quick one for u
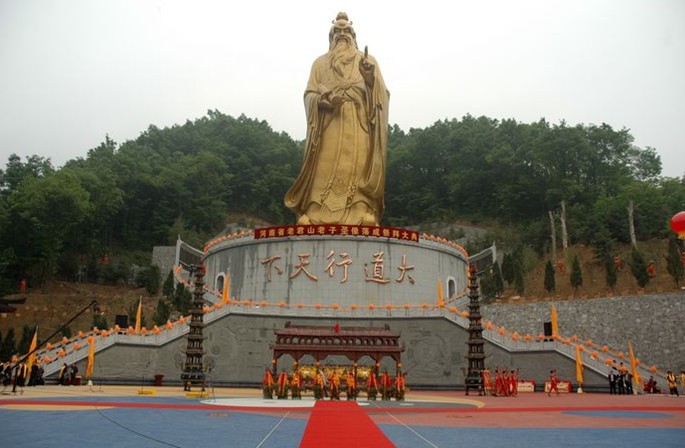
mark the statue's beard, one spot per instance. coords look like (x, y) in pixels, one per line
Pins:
(342, 55)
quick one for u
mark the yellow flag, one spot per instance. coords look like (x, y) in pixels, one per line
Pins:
(32, 351)
(555, 325)
(441, 300)
(579, 366)
(139, 315)
(91, 357)
(225, 297)
(637, 379)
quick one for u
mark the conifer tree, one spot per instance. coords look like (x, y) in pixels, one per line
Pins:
(638, 267)
(162, 313)
(550, 283)
(611, 274)
(169, 286)
(576, 274)
(508, 269)
(8, 347)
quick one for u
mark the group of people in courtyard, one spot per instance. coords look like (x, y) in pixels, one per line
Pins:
(505, 383)
(334, 384)
(20, 375)
(620, 380)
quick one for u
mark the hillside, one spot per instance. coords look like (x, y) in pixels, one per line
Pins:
(593, 272)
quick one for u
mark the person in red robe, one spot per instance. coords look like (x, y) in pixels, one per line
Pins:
(514, 383)
(487, 382)
(386, 386)
(400, 386)
(372, 387)
(351, 385)
(268, 385)
(335, 386)
(282, 386)
(506, 383)
(553, 383)
(295, 385)
(498, 382)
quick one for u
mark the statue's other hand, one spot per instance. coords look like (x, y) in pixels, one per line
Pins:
(337, 101)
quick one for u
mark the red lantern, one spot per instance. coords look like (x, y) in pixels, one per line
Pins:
(678, 224)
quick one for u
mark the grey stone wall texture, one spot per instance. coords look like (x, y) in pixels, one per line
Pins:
(652, 323)
(238, 350)
(410, 271)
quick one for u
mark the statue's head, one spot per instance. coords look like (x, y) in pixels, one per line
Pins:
(341, 29)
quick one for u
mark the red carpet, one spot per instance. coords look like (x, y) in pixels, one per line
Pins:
(342, 424)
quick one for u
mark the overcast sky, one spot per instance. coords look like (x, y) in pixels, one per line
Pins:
(72, 71)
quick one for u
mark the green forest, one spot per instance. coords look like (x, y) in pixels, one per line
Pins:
(122, 199)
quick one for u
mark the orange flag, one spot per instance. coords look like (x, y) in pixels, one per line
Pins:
(32, 351)
(139, 315)
(441, 300)
(555, 325)
(579, 367)
(225, 296)
(91, 357)
(637, 379)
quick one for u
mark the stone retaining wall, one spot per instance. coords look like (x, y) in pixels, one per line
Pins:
(654, 324)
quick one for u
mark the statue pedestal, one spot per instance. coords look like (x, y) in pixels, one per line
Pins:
(336, 265)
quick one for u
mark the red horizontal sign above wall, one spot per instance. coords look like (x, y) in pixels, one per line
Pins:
(337, 230)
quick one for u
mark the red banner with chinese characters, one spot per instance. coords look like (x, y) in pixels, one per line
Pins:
(337, 230)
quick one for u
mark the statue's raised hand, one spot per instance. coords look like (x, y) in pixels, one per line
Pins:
(366, 68)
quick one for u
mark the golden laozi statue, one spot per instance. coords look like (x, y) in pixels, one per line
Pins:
(342, 179)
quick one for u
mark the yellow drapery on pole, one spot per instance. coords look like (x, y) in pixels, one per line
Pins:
(91, 357)
(139, 315)
(32, 350)
(637, 379)
(555, 325)
(441, 300)
(225, 296)
(579, 368)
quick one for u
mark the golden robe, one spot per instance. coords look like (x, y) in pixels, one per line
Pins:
(342, 179)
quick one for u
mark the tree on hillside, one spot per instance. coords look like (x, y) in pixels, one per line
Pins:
(182, 299)
(674, 262)
(149, 278)
(576, 274)
(169, 285)
(9, 346)
(162, 313)
(550, 285)
(611, 276)
(638, 267)
(100, 321)
(26, 337)
(519, 285)
(508, 269)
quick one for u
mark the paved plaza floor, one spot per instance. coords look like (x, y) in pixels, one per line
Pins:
(126, 416)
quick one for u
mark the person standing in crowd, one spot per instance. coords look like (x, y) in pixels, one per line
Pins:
(671, 382)
(621, 380)
(553, 383)
(682, 380)
(514, 383)
(629, 383)
(62, 375)
(612, 381)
